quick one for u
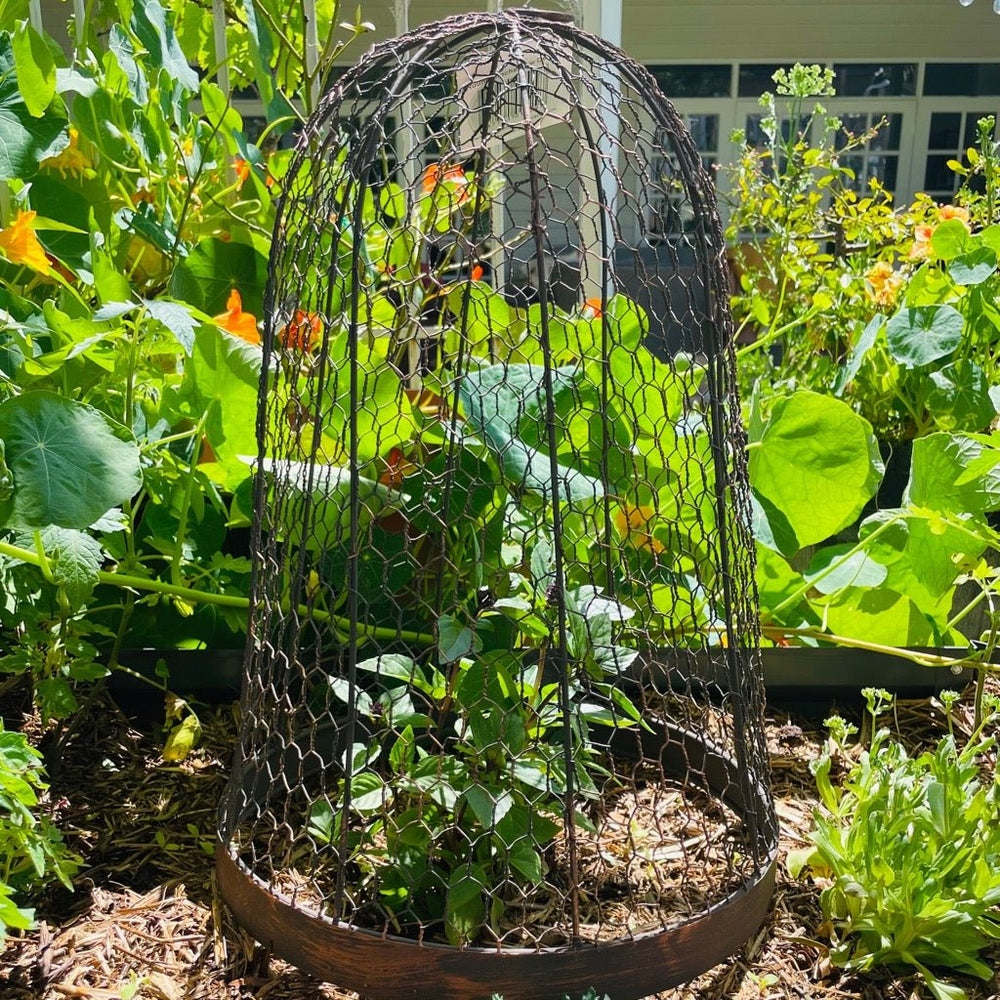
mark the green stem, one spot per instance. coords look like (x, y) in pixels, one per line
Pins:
(800, 592)
(924, 659)
(182, 521)
(113, 579)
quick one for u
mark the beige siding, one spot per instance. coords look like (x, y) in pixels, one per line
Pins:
(779, 30)
(803, 30)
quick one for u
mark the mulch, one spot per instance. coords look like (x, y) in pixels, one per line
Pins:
(145, 922)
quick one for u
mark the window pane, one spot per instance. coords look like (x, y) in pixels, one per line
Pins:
(878, 79)
(937, 176)
(888, 134)
(946, 127)
(694, 81)
(705, 130)
(972, 128)
(755, 80)
(962, 79)
(757, 137)
(885, 168)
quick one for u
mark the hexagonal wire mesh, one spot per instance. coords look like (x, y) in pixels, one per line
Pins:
(502, 686)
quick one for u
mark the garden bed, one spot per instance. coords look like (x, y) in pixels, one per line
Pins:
(145, 922)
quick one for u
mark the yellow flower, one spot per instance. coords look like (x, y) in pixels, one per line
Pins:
(235, 320)
(636, 525)
(20, 244)
(72, 160)
(883, 283)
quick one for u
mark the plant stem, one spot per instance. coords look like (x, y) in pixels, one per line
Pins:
(924, 659)
(800, 592)
(115, 579)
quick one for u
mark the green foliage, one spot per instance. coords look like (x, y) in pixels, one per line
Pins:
(32, 853)
(910, 851)
(131, 222)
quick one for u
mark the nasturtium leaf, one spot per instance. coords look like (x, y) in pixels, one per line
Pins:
(973, 268)
(919, 335)
(213, 269)
(221, 381)
(25, 140)
(960, 399)
(920, 554)
(817, 463)
(878, 615)
(75, 559)
(954, 473)
(776, 583)
(950, 239)
(770, 526)
(67, 202)
(70, 463)
(35, 69)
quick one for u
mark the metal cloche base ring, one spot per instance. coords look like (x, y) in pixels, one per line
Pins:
(379, 965)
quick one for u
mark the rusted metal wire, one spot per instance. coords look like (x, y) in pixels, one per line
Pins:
(502, 690)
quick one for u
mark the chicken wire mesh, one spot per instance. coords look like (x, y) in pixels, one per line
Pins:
(502, 687)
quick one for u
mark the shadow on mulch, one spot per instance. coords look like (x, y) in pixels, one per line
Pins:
(146, 923)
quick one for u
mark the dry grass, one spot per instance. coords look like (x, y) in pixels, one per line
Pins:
(145, 921)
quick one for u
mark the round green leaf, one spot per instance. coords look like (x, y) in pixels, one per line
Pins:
(213, 269)
(960, 399)
(973, 268)
(919, 335)
(817, 463)
(70, 463)
(950, 239)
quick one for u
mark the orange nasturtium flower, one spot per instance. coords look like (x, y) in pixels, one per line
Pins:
(437, 174)
(946, 212)
(236, 321)
(921, 248)
(242, 171)
(397, 467)
(592, 308)
(883, 283)
(302, 333)
(20, 244)
(477, 272)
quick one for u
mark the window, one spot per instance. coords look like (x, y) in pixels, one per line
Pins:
(949, 134)
(875, 79)
(879, 158)
(668, 210)
(715, 80)
(758, 78)
(962, 80)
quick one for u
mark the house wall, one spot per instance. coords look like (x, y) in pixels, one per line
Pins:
(807, 30)
(782, 31)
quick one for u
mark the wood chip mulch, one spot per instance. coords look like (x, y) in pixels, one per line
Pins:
(144, 921)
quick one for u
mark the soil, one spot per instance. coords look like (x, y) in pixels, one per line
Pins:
(145, 923)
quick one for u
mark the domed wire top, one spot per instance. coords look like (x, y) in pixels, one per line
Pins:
(502, 687)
